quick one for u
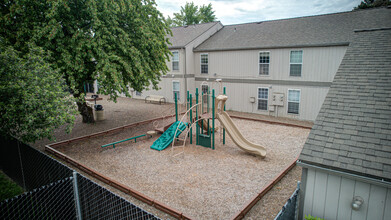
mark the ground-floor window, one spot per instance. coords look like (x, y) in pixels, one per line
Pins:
(138, 93)
(204, 90)
(263, 97)
(176, 87)
(293, 101)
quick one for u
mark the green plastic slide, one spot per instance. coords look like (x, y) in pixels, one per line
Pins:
(166, 139)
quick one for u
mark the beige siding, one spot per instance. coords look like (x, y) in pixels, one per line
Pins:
(167, 92)
(239, 99)
(328, 196)
(190, 59)
(319, 64)
(181, 63)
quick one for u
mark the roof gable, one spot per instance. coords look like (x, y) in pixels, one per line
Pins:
(183, 35)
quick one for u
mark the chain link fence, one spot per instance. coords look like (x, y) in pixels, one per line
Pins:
(55, 191)
(289, 210)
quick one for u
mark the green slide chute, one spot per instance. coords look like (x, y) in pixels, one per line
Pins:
(168, 136)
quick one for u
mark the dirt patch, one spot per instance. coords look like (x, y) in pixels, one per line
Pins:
(202, 183)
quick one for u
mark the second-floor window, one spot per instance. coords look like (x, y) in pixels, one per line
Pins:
(264, 61)
(296, 62)
(175, 60)
(204, 63)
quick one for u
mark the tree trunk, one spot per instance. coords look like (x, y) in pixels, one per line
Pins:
(86, 112)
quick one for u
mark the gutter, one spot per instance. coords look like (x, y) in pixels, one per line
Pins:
(380, 182)
(274, 47)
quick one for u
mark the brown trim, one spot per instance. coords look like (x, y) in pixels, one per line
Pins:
(271, 122)
(138, 195)
(338, 44)
(246, 208)
(267, 81)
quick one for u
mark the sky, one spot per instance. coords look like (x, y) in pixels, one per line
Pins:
(245, 11)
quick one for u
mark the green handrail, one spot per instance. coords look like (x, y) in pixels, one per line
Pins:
(135, 140)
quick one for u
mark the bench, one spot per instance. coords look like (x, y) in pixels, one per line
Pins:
(155, 98)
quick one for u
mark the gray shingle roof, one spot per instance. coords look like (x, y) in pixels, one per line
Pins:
(353, 129)
(305, 31)
(183, 35)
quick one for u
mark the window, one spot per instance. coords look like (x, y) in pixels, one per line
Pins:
(296, 62)
(138, 93)
(263, 97)
(175, 89)
(264, 61)
(204, 63)
(204, 90)
(175, 60)
(293, 101)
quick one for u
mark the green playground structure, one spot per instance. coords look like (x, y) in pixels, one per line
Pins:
(132, 138)
(168, 136)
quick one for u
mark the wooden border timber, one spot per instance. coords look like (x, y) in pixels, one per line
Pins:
(138, 195)
(270, 122)
(246, 208)
(158, 205)
(110, 131)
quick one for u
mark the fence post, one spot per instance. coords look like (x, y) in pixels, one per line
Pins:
(297, 201)
(77, 200)
(21, 165)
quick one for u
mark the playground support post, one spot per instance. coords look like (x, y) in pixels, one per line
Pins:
(176, 107)
(191, 118)
(224, 128)
(197, 127)
(213, 119)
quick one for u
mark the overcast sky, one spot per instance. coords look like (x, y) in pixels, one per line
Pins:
(244, 11)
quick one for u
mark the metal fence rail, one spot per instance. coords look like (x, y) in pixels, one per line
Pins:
(53, 201)
(57, 192)
(29, 167)
(98, 203)
(289, 210)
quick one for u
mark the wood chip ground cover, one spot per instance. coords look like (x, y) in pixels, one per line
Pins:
(202, 183)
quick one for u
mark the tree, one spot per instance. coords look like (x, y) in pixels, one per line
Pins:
(207, 14)
(190, 14)
(34, 98)
(372, 4)
(122, 44)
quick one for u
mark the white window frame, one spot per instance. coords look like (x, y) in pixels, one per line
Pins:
(173, 91)
(172, 62)
(287, 102)
(290, 63)
(259, 64)
(207, 64)
(267, 104)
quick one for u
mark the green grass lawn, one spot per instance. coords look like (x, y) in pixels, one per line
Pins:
(8, 188)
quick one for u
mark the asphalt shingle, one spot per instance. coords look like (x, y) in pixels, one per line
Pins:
(183, 35)
(362, 87)
(304, 31)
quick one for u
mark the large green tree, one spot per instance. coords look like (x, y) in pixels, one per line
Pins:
(372, 4)
(34, 98)
(122, 44)
(191, 14)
